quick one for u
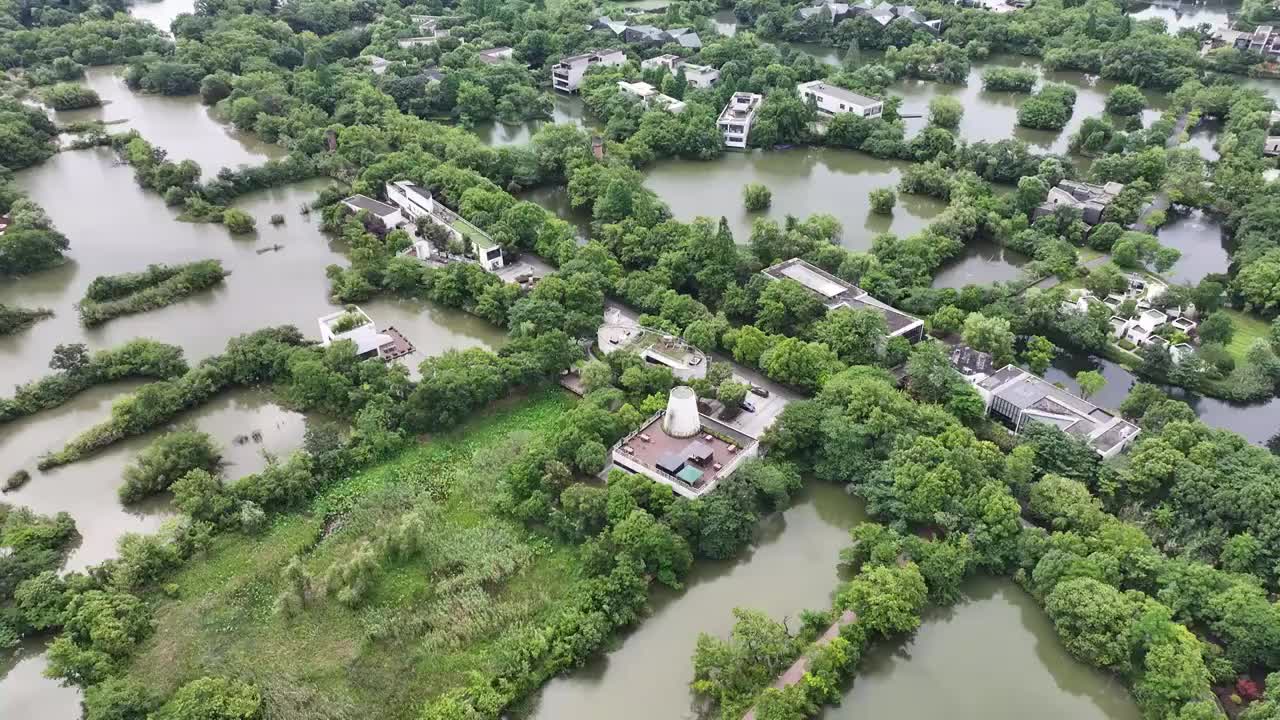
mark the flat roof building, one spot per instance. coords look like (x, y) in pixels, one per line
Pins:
(837, 293)
(683, 449)
(737, 117)
(619, 332)
(834, 100)
(355, 325)
(417, 202)
(566, 75)
(496, 55)
(389, 215)
(1016, 398)
(650, 97)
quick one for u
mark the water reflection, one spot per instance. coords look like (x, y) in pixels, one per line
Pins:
(984, 261)
(1178, 15)
(803, 180)
(565, 109)
(1256, 422)
(26, 693)
(725, 22)
(181, 125)
(1203, 242)
(993, 656)
(792, 567)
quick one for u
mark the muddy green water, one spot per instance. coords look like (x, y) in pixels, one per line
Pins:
(803, 180)
(994, 656)
(1177, 15)
(568, 109)
(180, 125)
(161, 13)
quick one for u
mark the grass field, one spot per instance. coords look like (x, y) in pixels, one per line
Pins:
(1248, 329)
(424, 623)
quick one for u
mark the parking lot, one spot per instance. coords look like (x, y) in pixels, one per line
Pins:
(767, 408)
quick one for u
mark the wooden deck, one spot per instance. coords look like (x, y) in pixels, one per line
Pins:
(397, 348)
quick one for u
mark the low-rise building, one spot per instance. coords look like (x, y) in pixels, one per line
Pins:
(389, 215)
(1264, 40)
(1090, 199)
(566, 75)
(737, 117)
(650, 97)
(836, 293)
(416, 202)
(1017, 398)
(619, 332)
(684, 449)
(355, 325)
(377, 64)
(698, 76)
(496, 55)
(834, 100)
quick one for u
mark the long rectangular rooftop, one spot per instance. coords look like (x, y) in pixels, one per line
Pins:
(836, 292)
(840, 93)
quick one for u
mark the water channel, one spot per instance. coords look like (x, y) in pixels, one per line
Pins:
(186, 129)
(1178, 15)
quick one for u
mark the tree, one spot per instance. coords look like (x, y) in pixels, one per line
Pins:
(1039, 353)
(1094, 621)
(730, 672)
(1216, 328)
(731, 393)
(70, 358)
(882, 200)
(119, 699)
(856, 336)
(1031, 192)
(238, 221)
(170, 457)
(201, 495)
(1090, 382)
(213, 698)
(756, 197)
(886, 599)
(990, 335)
(70, 96)
(806, 365)
(945, 112)
(1125, 100)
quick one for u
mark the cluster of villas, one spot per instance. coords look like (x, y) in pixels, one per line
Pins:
(1091, 199)
(408, 203)
(1264, 40)
(647, 35)
(883, 13)
(1149, 325)
(737, 117)
(429, 31)
(1016, 398)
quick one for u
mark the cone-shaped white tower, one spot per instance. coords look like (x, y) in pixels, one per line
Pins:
(681, 419)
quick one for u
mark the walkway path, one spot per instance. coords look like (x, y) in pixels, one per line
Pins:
(797, 670)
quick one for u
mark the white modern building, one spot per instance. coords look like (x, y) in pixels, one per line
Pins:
(698, 76)
(737, 117)
(355, 325)
(684, 449)
(389, 215)
(566, 75)
(650, 96)
(1016, 398)
(656, 347)
(834, 100)
(417, 202)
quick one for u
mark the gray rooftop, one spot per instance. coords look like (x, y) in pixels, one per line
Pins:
(836, 292)
(836, 91)
(368, 203)
(1045, 402)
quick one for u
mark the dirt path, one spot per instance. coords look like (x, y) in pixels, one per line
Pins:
(793, 674)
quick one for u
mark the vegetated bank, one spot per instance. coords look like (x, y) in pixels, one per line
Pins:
(110, 296)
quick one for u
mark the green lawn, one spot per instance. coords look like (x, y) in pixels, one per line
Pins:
(424, 623)
(1248, 328)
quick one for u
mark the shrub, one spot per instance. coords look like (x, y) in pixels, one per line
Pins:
(110, 296)
(1049, 109)
(70, 96)
(166, 460)
(238, 221)
(1125, 100)
(277, 219)
(756, 197)
(16, 480)
(1009, 80)
(883, 200)
(213, 698)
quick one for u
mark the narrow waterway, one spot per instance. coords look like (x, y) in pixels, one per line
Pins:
(26, 694)
(181, 125)
(992, 656)
(1259, 423)
(1178, 15)
(791, 568)
(277, 273)
(804, 181)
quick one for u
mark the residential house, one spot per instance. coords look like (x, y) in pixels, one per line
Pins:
(417, 202)
(354, 325)
(492, 56)
(377, 64)
(837, 293)
(566, 75)
(698, 76)
(646, 35)
(1016, 398)
(1089, 198)
(737, 117)
(1264, 40)
(834, 100)
(1271, 146)
(650, 97)
(683, 449)
(389, 215)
